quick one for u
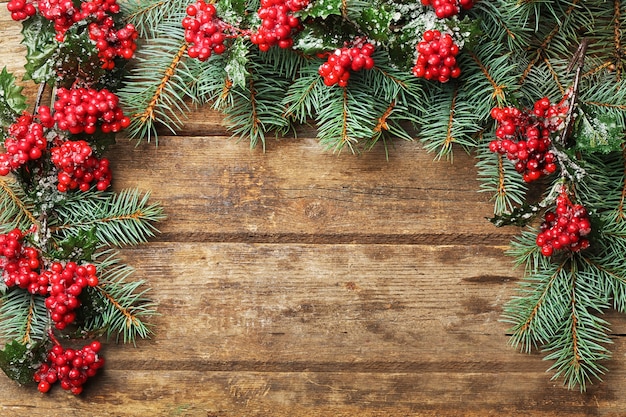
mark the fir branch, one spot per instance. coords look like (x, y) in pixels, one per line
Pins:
(256, 109)
(124, 302)
(499, 178)
(541, 52)
(14, 211)
(345, 117)
(148, 15)
(578, 348)
(450, 118)
(118, 219)
(149, 112)
(620, 207)
(209, 82)
(536, 313)
(504, 24)
(155, 92)
(305, 95)
(23, 316)
(498, 89)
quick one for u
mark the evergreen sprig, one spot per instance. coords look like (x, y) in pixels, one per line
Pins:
(117, 219)
(122, 304)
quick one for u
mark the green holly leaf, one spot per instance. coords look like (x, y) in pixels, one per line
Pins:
(41, 45)
(77, 247)
(321, 38)
(77, 54)
(324, 8)
(375, 23)
(598, 134)
(12, 101)
(236, 65)
(232, 11)
(520, 216)
(20, 362)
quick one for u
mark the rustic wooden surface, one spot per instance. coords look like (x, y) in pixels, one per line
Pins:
(299, 283)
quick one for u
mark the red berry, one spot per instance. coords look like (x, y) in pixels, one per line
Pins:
(436, 57)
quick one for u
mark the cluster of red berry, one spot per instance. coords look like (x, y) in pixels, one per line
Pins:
(278, 23)
(66, 283)
(78, 168)
(111, 43)
(99, 9)
(436, 57)
(25, 142)
(80, 110)
(72, 368)
(61, 12)
(337, 69)
(20, 264)
(204, 31)
(21, 9)
(61, 285)
(564, 228)
(448, 8)
(524, 137)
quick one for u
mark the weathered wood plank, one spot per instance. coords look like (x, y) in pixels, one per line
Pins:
(273, 329)
(252, 394)
(219, 190)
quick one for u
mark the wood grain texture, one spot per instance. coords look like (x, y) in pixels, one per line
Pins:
(294, 282)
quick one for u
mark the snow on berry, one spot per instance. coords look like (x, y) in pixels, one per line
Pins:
(70, 367)
(436, 57)
(20, 264)
(564, 228)
(204, 31)
(340, 63)
(278, 23)
(25, 142)
(523, 136)
(112, 43)
(78, 168)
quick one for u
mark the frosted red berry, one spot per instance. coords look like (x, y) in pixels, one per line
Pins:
(70, 367)
(524, 137)
(565, 228)
(25, 142)
(78, 168)
(343, 61)
(113, 43)
(436, 57)
(278, 23)
(20, 264)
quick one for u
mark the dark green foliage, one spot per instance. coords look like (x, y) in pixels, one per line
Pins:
(38, 36)
(20, 362)
(12, 101)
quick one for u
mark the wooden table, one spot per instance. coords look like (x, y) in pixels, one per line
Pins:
(294, 282)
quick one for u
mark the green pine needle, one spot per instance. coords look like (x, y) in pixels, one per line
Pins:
(123, 303)
(125, 218)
